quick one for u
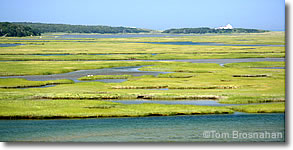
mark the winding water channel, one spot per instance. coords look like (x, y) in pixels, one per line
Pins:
(132, 70)
(80, 73)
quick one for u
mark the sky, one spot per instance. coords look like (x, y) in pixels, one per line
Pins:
(150, 14)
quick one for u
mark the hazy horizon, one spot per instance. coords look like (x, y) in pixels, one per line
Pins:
(151, 14)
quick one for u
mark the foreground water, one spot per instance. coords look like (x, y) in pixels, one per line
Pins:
(224, 128)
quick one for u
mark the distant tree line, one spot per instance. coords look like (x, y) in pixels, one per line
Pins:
(43, 28)
(210, 30)
(27, 29)
(9, 29)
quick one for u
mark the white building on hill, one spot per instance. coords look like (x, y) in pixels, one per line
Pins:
(228, 26)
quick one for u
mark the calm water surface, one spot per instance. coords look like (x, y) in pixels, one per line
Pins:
(94, 54)
(9, 45)
(125, 35)
(208, 43)
(144, 129)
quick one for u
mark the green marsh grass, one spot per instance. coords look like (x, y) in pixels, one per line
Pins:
(23, 83)
(80, 48)
(56, 67)
(42, 109)
(261, 108)
(96, 77)
(176, 75)
(252, 99)
(256, 64)
(207, 81)
(188, 80)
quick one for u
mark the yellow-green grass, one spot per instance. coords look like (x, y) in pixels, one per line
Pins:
(22, 83)
(128, 46)
(52, 109)
(190, 81)
(270, 38)
(263, 64)
(183, 67)
(55, 67)
(74, 57)
(96, 77)
(208, 81)
(42, 109)
(260, 108)
(252, 99)
(176, 75)
(166, 56)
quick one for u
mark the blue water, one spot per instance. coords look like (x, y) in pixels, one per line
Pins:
(132, 70)
(134, 35)
(145, 129)
(208, 43)
(123, 35)
(9, 45)
(96, 54)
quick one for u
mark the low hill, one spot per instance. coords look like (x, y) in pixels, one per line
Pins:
(210, 30)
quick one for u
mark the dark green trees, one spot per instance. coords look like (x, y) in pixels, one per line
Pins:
(42, 27)
(9, 29)
(27, 29)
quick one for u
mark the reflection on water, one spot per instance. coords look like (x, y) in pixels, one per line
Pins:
(144, 129)
(208, 43)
